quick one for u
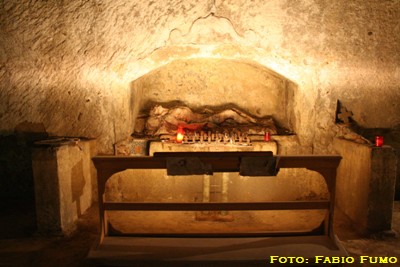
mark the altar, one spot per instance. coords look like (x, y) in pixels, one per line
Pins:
(215, 248)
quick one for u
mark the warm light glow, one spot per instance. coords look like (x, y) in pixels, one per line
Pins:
(179, 138)
(379, 140)
(180, 134)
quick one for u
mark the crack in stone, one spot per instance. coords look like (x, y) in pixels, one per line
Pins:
(210, 14)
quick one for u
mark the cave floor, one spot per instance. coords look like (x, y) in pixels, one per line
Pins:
(20, 245)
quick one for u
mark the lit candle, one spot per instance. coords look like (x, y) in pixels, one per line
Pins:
(179, 138)
(379, 140)
(180, 134)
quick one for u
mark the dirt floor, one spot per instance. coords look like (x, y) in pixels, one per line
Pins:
(21, 246)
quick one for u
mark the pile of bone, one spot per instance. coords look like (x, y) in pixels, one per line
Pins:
(163, 121)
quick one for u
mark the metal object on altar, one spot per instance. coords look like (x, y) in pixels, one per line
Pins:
(259, 166)
(187, 166)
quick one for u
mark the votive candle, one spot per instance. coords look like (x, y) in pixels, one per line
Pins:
(379, 140)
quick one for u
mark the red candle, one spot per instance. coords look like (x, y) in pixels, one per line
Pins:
(267, 136)
(379, 140)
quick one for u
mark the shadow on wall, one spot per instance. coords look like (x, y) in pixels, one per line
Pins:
(16, 160)
(77, 185)
(359, 134)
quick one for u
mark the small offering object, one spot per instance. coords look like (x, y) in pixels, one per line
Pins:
(379, 140)
(267, 136)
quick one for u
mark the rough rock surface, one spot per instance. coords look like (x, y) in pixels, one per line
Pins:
(68, 64)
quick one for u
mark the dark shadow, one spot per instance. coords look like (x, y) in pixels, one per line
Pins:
(17, 200)
(77, 185)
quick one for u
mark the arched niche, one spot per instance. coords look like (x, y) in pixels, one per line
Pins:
(212, 82)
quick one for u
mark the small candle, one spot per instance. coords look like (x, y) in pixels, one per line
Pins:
(180, 134)
(379, 140)
(179, 138)
(267, 136)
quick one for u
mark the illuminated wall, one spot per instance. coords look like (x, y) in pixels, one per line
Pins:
(67, 66)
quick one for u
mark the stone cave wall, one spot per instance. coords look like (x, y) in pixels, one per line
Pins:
(67, 66)
(217, 84)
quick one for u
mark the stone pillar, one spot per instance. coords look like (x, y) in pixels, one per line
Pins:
(366, 185)
(64, 177)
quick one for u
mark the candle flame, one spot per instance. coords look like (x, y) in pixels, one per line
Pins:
(179, 138)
